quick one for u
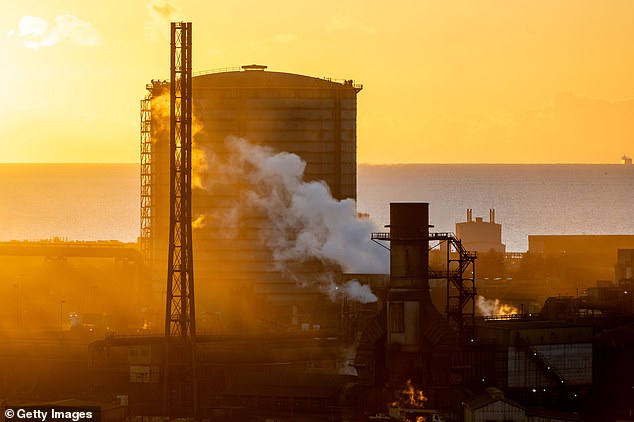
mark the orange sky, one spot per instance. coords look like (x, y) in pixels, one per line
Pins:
(444, 81)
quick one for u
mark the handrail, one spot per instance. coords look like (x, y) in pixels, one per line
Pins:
(380, 236)
(539, 357)
(217, 70)
(343, 82)
(348, 82)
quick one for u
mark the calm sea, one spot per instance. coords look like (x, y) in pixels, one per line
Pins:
(101, 201)
(528, 199)
(73, 201)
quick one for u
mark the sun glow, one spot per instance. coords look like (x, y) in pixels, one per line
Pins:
(73, 75)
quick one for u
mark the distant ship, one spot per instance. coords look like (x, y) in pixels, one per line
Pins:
(626, 160)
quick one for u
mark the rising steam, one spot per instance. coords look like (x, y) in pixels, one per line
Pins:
(304, 221)
(352, 290)
(493, 307)
(161, 13)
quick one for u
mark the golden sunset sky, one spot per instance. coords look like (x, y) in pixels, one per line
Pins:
(460, 81)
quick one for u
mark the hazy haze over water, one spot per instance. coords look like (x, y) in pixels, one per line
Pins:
(74, 201)
(528, 199)
(101, 201)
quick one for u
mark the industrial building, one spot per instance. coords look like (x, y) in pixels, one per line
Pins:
(603, 246)
(311, 117)
(492, 405)
(579, 259)
(481, 236)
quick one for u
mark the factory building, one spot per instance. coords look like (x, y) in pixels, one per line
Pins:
(580, 259)
(600, 245)
(481, 236)
(311, 117)
(539, 354)
(493, 406)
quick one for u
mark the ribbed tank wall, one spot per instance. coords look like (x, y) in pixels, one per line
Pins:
(313, 118)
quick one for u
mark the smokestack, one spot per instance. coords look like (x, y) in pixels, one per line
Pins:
(419, 338)
(469, 215)
(492, 215)
(409, 252)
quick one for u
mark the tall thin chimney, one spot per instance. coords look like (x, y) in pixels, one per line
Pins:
(492, 215)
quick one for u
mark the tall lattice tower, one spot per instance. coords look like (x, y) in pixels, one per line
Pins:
(180, 386)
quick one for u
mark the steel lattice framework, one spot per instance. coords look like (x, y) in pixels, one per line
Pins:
(461, 288)
(460, 277)
(146, 179)
(180, 317)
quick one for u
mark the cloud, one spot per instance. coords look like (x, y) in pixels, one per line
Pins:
(161, 13)
(35, 32)
(342, 22)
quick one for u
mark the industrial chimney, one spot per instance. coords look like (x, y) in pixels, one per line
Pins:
(419, 338)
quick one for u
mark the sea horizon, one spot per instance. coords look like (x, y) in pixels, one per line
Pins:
(100, 201)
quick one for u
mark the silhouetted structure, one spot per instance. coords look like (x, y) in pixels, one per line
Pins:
(419, 340)
(179, 376)
(311, 117)
(481, 236)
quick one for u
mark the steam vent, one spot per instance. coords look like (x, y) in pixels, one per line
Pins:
(236, 113)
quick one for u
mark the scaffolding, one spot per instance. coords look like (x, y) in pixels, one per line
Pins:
(459, 274)
(461, 290)
(145, 238)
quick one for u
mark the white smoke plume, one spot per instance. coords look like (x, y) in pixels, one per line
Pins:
(35, 32)
(493, 307)
(161, 13)
(304, 221)
(352, 290)
(348, 355)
